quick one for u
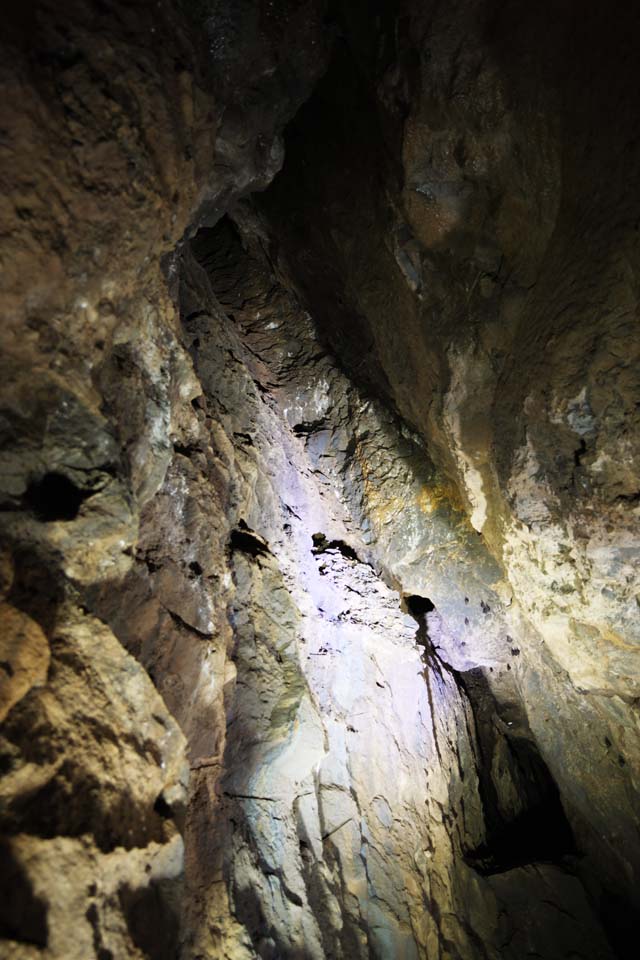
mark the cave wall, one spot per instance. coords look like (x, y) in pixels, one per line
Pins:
(319, 518)
(482, 283)
(121, 125)
(401, 810)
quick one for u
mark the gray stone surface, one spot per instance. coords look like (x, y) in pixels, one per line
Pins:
(319, 509)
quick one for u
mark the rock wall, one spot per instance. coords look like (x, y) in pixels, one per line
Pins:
(481, 283)
(121, 125)
(318, 508)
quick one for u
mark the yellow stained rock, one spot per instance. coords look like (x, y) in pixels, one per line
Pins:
(24, 656)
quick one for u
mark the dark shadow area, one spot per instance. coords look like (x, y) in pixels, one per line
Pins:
(267, 943)
(55, 497)
(306, 428)
(23, 915)
(73, 803)
(151, 919)
(340, 129)
(530, 828)
(37, 587)
(417, 606)
(219, 252)
(322, 545)
(249, 542)
(538, 830)
(621, 924)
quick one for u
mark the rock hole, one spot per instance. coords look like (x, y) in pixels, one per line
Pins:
(185, 450)
(418, 606)
(307, 427)
(248, 542)
(322, 545)
(55, 497)
(580, 452)
(162, 808)
(6, 666)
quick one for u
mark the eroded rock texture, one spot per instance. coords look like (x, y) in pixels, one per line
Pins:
(319, 487)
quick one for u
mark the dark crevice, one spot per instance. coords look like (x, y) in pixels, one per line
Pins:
(577, 475)
(94, 919)
(55, 497)
(187, 626)
(580, 452)
(245, 439)
(162, 808)
(186, 450)
(246, 541)
(418, 606)
(307, 427)
(628, 497)
(23, 915)
(322, 545)
(534, 830)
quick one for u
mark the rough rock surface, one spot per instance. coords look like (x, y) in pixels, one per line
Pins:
(481, 282)
(122, 124)
(319, 562)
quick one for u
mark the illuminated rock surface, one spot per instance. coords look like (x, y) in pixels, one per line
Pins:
(319, 570)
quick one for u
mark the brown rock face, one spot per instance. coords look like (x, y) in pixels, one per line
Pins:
(25, 657)
(319, 481)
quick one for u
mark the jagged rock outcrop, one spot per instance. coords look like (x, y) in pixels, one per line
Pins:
(481, 282)
(319, 493)
(121, 125)
(490, 805)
